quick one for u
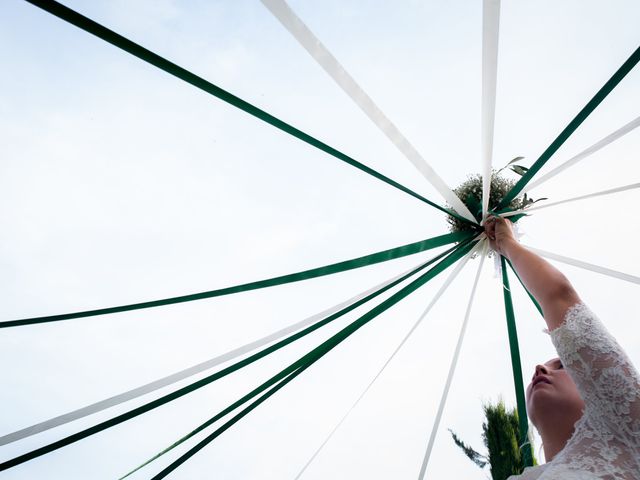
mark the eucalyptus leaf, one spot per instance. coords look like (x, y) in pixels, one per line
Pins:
(517, 159)
(519, 169)
(538, 200)
(512, 161)
(531, 201)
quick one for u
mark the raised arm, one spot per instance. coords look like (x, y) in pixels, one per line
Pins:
(547, 284)
(607, 380)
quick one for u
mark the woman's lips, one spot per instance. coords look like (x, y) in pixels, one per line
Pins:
(540, 380)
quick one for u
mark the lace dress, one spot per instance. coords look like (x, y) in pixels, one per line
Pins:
(606, 440)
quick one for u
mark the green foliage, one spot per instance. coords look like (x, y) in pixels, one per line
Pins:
(519, 169)
(476, 457)
(500, 434)
(470, 192)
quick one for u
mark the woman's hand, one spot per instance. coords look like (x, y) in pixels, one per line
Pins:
(500, 233)
(547, 284)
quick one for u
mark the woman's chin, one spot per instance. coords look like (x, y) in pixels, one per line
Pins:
(541, 398)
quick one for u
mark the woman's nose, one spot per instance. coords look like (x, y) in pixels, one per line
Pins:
(540, 369)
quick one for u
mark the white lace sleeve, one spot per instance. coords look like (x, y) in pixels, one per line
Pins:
(606, 379)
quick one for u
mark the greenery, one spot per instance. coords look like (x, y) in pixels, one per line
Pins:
(500, 434)
(476, 457)
(470, 192)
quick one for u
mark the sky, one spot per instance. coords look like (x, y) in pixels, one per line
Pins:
(120, 183)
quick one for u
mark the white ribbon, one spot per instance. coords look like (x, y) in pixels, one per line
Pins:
(281, 10)
(581, 197)
(183, 374)
(490, 35)
(437, 296)
(587, 266)
(584, 154)
(452, 368)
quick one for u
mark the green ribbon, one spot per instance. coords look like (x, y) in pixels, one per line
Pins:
(516, 367)
(287, 374)
(90, 26)
(215, 376)
(573, 125)
(191, 452)
(383, 256)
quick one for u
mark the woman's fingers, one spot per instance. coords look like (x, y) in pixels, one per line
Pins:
(497, 229)
(504, 229)
(490, 228)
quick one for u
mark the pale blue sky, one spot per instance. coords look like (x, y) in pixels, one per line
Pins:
(119, 183)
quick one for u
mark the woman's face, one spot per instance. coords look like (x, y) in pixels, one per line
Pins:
(552, 394)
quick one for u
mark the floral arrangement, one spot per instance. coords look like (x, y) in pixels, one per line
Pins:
(470, 192)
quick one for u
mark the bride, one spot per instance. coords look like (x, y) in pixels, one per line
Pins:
(586, 403)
